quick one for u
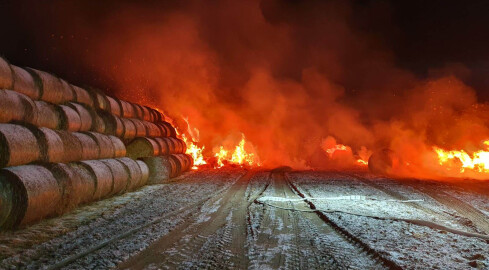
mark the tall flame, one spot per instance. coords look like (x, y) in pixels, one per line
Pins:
(240, 156)
(463, 161)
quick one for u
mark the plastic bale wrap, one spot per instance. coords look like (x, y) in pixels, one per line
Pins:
(134, 171)
(35, 194)
(73, 149)
(6, 80)
(85, 116)
(160, 169)
(113, 124)
(127, 109)
(104, 183)
(119, 147)
(144, 172)
(53, 90)
(114, 106)
(75, 189)
(142, 147)
(119, 174)
(85, 188)
(69, 118)
(164, 146)
(152, 130)
(140, 128)
(18, 145)
(25, 83)
(104, 144)
(17, 107)
(90, 148)
(129, 129)
(82, 96)
(50, 144)
(48, 116)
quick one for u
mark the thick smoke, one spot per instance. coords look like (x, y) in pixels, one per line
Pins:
(290, 75)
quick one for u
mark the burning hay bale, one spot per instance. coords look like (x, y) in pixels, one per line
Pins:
(48, 116)
(16, 107)
(54, 90)
(18, 145)
(6, 81)
(25, 83)
(143, 147)
(86, 121)
(33, 192)
(69, 119)
(82, 96)
(383, 162)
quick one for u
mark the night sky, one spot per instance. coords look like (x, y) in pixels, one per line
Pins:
(422, 35)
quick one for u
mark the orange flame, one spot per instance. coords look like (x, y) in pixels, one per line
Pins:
(239, 157)
(464, 162)
(330, 146)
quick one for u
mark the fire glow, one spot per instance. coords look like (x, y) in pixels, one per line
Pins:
(462, 161)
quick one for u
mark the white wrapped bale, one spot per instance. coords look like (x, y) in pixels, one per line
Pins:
(90, 148)
(119, 174)
(134, 171)
(82, 96)
(48, 116)
(34, 191)
(104, 183)
(69, 118)
(85, 116)
(25, 83)
(18, 146)
(73, 149)
(142, 147)
(54, 90)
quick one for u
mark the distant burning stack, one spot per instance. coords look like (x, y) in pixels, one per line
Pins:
(62, 146)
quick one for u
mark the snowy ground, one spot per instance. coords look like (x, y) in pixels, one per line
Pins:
(238, 219)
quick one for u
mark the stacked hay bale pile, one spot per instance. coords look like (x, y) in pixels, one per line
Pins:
(62, 146)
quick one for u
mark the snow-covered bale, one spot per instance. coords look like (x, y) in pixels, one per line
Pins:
(114, 106)
(104, 144)
(25, 83)
(104, 183)
(17, 107)
(82, 96)
(90, 148)
(18, 145)
(54, 90)
(72, 147)
(134, 171)
(142, 147)
(161, 169)
(6, 81)
(119, 174)
(85, 116)
(69, 119)
(34, 191)
(48, 116)
(119, 147)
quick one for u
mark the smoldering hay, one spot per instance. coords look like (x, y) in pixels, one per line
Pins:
(285, 74)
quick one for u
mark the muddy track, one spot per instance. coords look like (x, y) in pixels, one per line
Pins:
(360, 248)
(215, 239)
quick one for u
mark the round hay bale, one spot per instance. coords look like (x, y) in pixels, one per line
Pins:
(127, 109)
(53, 90)
(68, 90)
(152, 130)
(182, 161)
(69, 118)
(164, 146)
(82, 96)
(114, 106)
(84, 184)
(100, 100)
(171, 132)
(148, 114)
(164, 131)
(75, 189)
(113, 124)
(119, 174)
(160, 169)
(73, 149)
(129, 129)
(90, 148)
(140, 128)
(48, 116)
(85, 116)
(35, 194)
(134, 171)
(175, 166)
(119, 147)
(138, 111)
(16, 107)
(6, 201)
(25, 83)
(104, 144)
(142, 147)
(179, 145)
(383, 162)
(18, 146)
(98, 124)
(104, 183)
(50, 144)
(159, 116)
(144, 171)
(6, 80)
